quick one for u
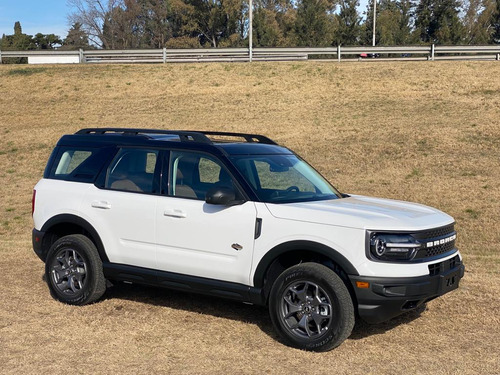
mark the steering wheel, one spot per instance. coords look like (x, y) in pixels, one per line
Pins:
(292, 188)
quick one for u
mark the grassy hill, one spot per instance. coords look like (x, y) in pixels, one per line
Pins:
(427, 132)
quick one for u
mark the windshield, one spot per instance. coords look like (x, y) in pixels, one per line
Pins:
(284, 179)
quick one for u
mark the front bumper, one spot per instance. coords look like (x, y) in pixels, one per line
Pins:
(388, 297)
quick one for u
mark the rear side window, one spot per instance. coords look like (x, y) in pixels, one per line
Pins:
(78, 164)
(70, 160)
(134, 170)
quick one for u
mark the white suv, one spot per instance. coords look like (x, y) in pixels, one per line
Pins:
(234, 216)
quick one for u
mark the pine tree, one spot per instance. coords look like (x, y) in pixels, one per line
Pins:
(437, 21)
(393, 23)
(367, 33)
(266, 30)
(76, 38)
(348, 24)
(18, 41)
(18, 30)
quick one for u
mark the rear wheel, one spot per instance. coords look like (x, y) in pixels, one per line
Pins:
(73, 271)
(311, 308)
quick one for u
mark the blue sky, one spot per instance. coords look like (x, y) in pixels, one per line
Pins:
(41, 16)
(45, 16)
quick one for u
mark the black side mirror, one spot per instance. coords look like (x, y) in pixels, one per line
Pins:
(222, 195)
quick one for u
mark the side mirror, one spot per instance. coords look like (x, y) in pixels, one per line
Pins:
(222, 195)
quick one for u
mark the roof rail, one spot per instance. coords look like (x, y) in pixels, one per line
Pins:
(184, 136)
(247, 137)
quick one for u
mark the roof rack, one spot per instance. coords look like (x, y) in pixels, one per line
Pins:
(247, 137)
(184, 136)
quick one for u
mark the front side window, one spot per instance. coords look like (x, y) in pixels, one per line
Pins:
(284, 179)
(192, 174)
(133, 170)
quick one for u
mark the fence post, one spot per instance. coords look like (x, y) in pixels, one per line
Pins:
(164, 55)
(498, 57)
(81, 58)
(338, 53)
(432, 52)
(0, 56)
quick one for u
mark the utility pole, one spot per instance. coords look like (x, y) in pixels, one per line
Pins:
(374, 20)
(250, 30)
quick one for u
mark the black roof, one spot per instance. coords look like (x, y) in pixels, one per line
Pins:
(229, 143)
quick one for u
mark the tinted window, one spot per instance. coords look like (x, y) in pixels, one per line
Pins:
(133, 170)
(284, 179)
(192, 174)
(78, 164)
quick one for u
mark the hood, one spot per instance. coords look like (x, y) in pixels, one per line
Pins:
(364, 213)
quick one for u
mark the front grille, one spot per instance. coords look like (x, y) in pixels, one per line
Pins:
(437, 268)
(432, 235)
(436, 250)
(435, 232)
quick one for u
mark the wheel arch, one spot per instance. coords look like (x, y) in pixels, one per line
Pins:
(291, 253)
(66, 224)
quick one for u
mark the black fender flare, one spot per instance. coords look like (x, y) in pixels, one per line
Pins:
(76, 220)
(314, 247)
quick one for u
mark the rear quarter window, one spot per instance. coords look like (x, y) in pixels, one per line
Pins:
(79, 164)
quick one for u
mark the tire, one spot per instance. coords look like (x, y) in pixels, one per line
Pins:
(73, 271)
(311, 307)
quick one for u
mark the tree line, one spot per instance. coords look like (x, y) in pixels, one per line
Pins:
(136, 24)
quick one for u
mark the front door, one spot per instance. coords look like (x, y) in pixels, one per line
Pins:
(200, 239)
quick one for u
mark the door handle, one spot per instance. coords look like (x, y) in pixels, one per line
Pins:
(101, 204)
(173, 212)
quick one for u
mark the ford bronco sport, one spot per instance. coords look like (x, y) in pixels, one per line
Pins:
(236, 216)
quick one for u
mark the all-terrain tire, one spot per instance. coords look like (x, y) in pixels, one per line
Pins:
(311, 308)
(73, 271)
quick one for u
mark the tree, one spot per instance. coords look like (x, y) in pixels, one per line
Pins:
(266, 29)
(313, 25)
(477, 21)
(92, 15)
(17, 41)
(157, 28)
(274, 23)
(218, 21)
(77, 38)
(347, 23)
(367, 27)
(17, 28)
(393, 25)
(437, 21)
(46, 41)
(495, 22)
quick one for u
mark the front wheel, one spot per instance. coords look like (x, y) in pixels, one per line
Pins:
(73, 271)
(311, 308)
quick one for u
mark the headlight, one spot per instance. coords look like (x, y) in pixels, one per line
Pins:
(389, 246)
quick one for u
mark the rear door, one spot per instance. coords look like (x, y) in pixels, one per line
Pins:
(124, 206)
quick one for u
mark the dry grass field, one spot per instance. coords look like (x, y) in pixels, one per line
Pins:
(420, 131)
